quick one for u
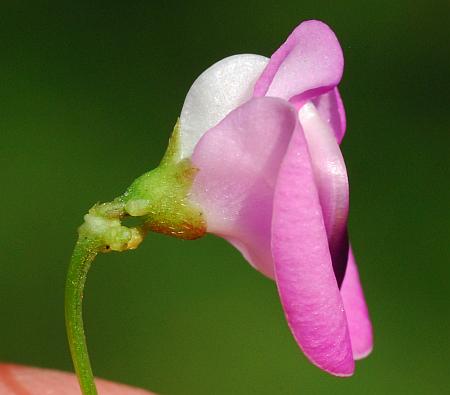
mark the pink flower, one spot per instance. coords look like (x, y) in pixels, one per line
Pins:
(255, 159)
(265, 137)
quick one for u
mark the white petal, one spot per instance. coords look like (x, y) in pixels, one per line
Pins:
(216, 92)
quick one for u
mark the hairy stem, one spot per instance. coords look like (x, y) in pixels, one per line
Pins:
(84, 253)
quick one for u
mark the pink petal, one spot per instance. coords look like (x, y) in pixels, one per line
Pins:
(332, 111)
(218, 90)
(308, 64)
(330, 175)
(304, 273)
(358, 318)
(238, 162)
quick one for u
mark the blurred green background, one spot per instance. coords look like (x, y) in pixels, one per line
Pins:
(89, 94)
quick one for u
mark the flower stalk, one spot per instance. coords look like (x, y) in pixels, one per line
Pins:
(159, 198)
(83, 255)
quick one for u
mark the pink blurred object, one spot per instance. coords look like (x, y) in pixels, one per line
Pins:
(24, 380)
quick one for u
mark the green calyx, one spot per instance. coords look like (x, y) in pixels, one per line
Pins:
(159, 199)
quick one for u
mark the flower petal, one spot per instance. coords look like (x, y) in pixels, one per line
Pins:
(332, 110)
(308, 64)
(330, 176)
(303, 268)
(238, 162)
(217, 91)
(355, 306)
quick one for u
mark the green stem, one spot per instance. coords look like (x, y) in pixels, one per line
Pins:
(83, 255)
(160, 199)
